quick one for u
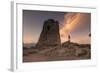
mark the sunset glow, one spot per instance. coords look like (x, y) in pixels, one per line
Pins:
(29, 39)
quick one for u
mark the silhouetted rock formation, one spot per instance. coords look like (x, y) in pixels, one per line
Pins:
(74, 45)
(49, 36)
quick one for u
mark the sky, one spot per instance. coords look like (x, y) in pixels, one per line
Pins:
(75, 24)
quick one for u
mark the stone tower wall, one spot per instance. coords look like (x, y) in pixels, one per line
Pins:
(49, 36)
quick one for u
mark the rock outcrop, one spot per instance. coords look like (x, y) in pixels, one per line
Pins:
(49, 37)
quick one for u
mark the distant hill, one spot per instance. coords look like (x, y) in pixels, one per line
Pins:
(29, 45)
(73, 45)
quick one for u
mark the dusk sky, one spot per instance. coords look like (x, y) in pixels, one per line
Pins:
(73, 23)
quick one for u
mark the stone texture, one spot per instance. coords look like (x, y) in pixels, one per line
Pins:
(49, 36)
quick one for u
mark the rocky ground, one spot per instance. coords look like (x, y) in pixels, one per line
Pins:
(68, 51)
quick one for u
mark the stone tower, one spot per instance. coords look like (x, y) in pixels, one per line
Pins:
(49, 36)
